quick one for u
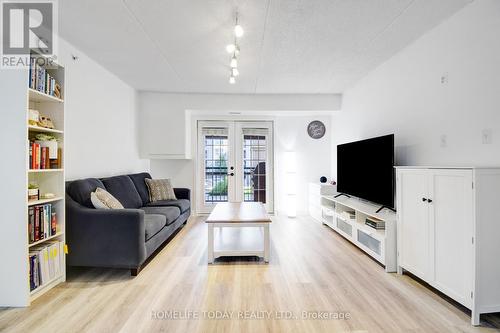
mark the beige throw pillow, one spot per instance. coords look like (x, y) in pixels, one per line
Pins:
(160, 189)
(103, 199)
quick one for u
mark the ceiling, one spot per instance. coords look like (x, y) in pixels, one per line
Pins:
(289, 46)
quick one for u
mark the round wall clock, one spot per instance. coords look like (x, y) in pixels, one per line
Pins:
(316, 129)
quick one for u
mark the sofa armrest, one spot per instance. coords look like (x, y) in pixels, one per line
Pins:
(104, 237)
(182, 193)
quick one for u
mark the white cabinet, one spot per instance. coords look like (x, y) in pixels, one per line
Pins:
(347, 216)
(442, 227)
(414, 251)
(450, 216)
(316, 190)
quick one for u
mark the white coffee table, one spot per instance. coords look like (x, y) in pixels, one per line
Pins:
(243, 230)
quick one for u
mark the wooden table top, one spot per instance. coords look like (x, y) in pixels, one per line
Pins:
(239, 212)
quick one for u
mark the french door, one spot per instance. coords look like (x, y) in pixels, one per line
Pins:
(235, 163)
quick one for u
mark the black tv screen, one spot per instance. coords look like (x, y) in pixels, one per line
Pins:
(365, 169)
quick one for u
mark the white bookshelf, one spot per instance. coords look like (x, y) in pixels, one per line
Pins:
(14, 239)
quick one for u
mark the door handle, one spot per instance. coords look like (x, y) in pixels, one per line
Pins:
(429, 200)
(231, 174)
(424, 199)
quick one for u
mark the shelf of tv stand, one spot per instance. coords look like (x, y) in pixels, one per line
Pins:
(386, 238)
(364, 207)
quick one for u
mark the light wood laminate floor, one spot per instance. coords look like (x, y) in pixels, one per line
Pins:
(312, 270)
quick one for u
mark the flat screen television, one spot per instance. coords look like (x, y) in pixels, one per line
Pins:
(365, 169)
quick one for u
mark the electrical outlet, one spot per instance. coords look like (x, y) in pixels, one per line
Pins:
(444, 141)
(487, 136)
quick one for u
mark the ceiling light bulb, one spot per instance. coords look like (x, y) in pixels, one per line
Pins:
(234, 62)
(238, 31)
(232, 80)
(235, 72)
(231, 48)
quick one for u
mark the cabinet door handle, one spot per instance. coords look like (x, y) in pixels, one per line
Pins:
(231, 174)
(429, 200)
(424, 199)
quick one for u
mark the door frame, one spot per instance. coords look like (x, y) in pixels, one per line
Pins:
(233, 124)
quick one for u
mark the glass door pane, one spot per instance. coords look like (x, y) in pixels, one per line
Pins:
(216, 153)
(254, 166)
(234, 163)
(254, 155)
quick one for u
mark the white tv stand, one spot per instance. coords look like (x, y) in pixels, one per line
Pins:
(379, 244)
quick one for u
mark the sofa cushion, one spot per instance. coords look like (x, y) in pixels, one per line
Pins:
(160, 189)
(123, 189)
(104, 200)
(153, 223)
(79, 190)
(170, 213)
(182, 204)
(140, 184)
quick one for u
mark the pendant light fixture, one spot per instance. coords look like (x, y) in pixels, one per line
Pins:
(234, 61)
(238, 29)
(234, 49)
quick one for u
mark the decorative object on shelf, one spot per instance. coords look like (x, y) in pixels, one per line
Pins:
(57, 90)
(48, 195)
(234, 50)
(333, 182)
(323, 179)
(316, 129)
(46, 122)
(33, 192)
(375, 223)
(349, 215)
(33, 117)
(49, 141)
(57, 163)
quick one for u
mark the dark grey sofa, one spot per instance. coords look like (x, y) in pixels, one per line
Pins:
(121, 238)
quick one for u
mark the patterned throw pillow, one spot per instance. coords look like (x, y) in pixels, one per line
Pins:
(160, 189)
(103, 199)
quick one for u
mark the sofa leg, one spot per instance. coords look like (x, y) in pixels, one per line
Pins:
(135, 271)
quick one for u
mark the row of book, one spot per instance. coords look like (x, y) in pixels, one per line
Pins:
(46, 263)
(39, 157)
(40, 79)
(42, 222)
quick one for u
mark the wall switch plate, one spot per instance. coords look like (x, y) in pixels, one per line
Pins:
(444, 141)
(487, 136)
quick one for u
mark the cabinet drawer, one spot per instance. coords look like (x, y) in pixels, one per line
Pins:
(345, 227)
(370, 242)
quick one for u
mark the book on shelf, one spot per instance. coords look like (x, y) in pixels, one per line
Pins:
(46, 263)
(42, 222)
(40, 79)
(39, 157)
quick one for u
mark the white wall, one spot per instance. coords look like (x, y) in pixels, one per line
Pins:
(163, 125)
(101, 120)
(313, 159)
(165, 128)
(405, 95)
